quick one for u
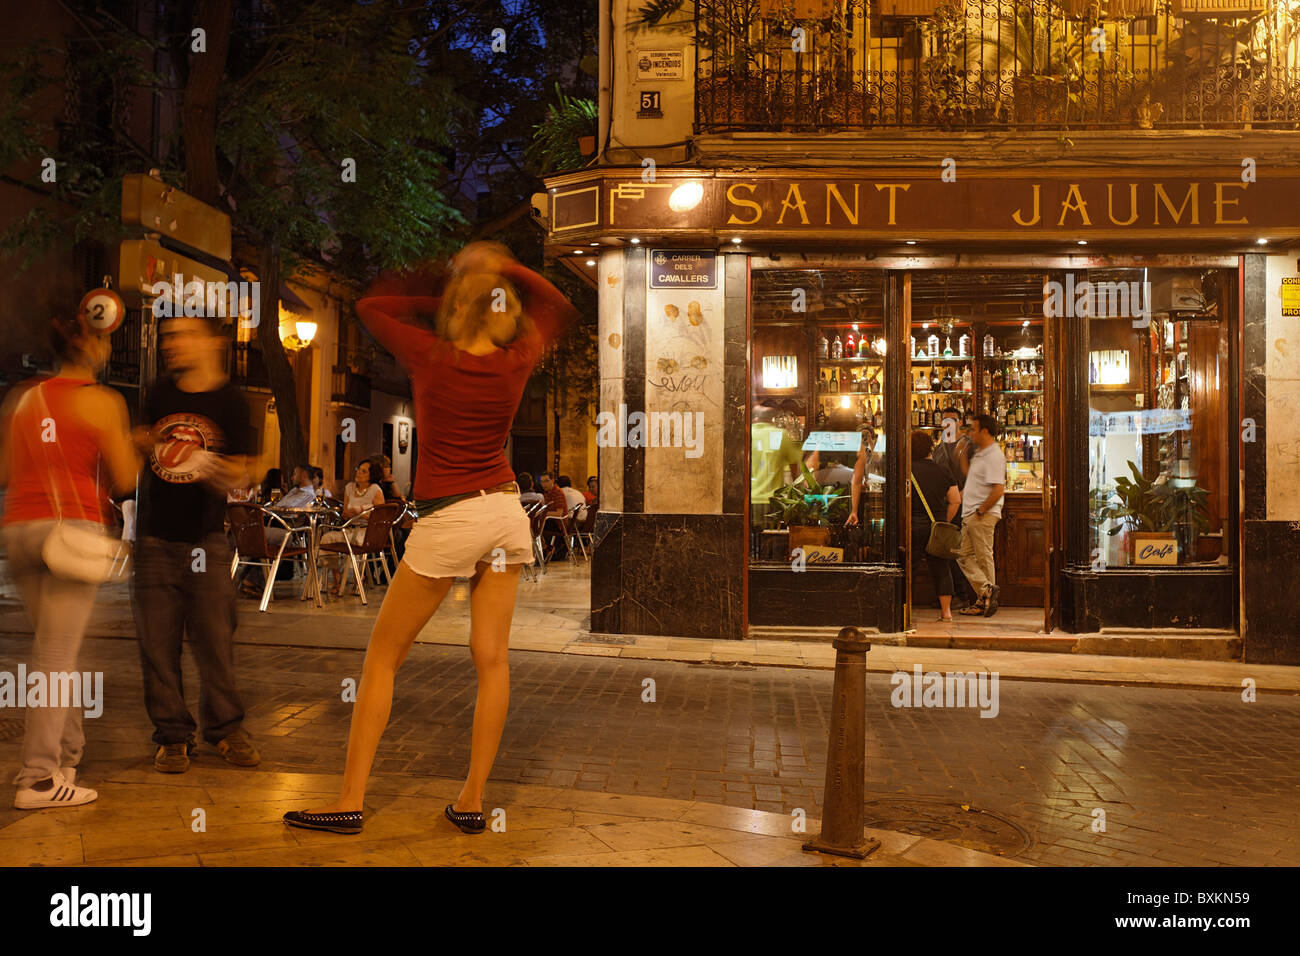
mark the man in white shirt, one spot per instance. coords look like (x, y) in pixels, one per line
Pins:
(303, 494)
(981, 507)
(572, 496)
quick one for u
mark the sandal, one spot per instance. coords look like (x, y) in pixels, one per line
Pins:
(348, 823)
(468, 822)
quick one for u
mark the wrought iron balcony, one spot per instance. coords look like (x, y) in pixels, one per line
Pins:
(350, 388)
(247, 367)
(994, 64)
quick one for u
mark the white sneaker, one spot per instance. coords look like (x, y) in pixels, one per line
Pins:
(63, 793)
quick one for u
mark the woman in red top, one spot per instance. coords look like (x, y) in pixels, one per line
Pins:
(54, 435)
(494, 320)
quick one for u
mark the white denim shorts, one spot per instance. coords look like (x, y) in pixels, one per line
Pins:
(450, 543)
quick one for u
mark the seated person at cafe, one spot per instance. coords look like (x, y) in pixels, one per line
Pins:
(528, 495)
(555, 531)
(592, 491)
(318, 482)
(303, 495)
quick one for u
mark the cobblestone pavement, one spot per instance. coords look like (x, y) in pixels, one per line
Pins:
(1183, 777)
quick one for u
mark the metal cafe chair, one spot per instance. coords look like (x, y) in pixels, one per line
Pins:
(126, 513)
(378, 522)
(587, 530)
(575, 534)
(534, 512)
(548, 518)
(248, 528)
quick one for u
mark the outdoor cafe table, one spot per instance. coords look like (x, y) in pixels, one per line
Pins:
(314, 514)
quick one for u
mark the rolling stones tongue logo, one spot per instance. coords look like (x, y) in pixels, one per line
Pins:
(182, 451)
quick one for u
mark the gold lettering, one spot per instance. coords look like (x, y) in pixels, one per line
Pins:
(1192, 195)
(1078, 205)
(833, 190)
(797, 204)
(736, 200)
(1220, 202)
(1018, 215)
(893, 193)
(1132, 204)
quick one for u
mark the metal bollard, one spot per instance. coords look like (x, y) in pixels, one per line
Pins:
(846, 757)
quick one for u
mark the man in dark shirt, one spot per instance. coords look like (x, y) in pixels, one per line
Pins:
(195, 441)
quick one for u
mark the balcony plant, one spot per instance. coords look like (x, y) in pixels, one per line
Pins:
(1037, 55)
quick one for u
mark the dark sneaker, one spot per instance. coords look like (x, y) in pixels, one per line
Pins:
(238, 749)
(992, 604)
(332, 822)
(173, 758)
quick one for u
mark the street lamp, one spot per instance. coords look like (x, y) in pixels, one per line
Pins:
(296, 333)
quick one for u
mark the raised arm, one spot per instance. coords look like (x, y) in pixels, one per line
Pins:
(384, 316)
(546, 305)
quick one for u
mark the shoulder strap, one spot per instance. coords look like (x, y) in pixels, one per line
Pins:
(923, 501)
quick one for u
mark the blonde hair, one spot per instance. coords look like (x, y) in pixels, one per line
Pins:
(476, 302)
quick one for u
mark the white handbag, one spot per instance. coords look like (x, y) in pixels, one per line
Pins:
(72, 552)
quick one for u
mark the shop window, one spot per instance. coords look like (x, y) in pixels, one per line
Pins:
(817, 444)
(1158, 420)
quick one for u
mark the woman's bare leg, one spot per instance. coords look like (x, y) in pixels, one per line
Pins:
(491, 607)
(408, 605)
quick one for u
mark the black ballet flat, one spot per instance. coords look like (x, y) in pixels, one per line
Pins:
(468, 822)
(347, 823)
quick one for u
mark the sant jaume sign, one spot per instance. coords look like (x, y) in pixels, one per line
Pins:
(1074, 206)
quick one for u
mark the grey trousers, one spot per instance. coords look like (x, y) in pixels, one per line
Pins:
(59, 611)
(176, 592)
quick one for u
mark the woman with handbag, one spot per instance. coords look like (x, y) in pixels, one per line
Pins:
(64, 440)
(494, 320)
(933, 487)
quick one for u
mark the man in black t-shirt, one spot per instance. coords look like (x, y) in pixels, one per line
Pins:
(195, 445)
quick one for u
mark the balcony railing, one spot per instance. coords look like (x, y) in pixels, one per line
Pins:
(247, 367)
(988, 64)
(350, 388)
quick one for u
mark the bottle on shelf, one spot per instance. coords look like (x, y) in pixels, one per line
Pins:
(988, 379)
(963, 345)
(913, 352)
(947, 380)
(878, 417)
(916, 414)
(835, 379)
(997, 380)
(864, 347)
(1033, 417)
(823, 346)
(1014, 384)
(837, 348)
(850, 346)
(947, 346)
(935, 381)
(932, 346)
(988, 345)
(873, 386)
(967, 381)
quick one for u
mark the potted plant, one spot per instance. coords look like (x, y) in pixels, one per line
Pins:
(809, 509)
(1155, 511)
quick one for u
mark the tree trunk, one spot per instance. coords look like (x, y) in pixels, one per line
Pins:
(199, 113)
(293, 441)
